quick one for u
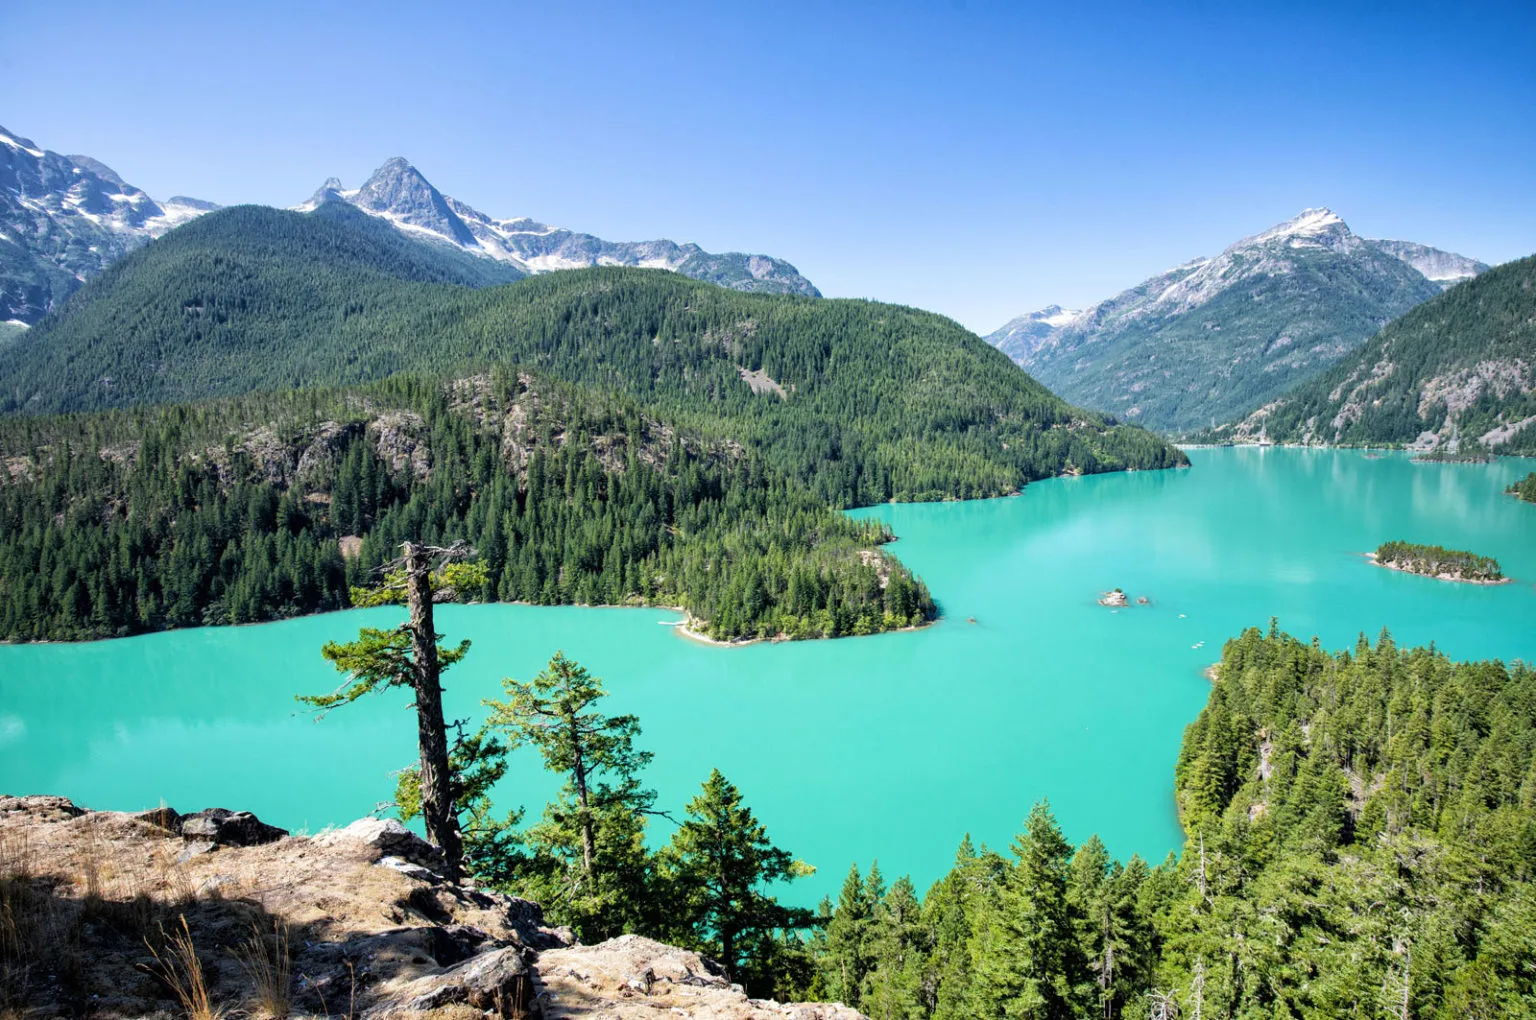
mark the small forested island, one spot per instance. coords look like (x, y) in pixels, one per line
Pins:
(1525, 488)
(1439, 562)
(1445, 457)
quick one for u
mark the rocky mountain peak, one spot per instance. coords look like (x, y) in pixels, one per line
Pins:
(1308, 228)
(402, 194)
(15, 141)
(67, 218)
(1185, 347)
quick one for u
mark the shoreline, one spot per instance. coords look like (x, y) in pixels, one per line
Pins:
(1437, 577)
(685, 630)
(1361, 447)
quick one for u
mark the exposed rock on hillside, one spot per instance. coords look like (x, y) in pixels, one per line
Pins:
(1456, 374)
(370, 930)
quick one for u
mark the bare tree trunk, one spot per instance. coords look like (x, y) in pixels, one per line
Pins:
(437, 807)
(579, 774)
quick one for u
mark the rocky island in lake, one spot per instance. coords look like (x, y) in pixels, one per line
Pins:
(1439, 562)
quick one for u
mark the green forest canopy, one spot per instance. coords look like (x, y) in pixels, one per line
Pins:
(755, 417)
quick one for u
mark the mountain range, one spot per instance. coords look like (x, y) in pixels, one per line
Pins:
(64, 219)
(1214, 337)
(399, 194)
(610, 435)
(1456, 374)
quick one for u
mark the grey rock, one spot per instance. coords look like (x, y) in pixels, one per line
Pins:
(408, 869)
(223, 827)
(391, 839)
(498, 980)
(41, 806)
(195, 848)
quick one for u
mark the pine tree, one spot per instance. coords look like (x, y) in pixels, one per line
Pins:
(410, 657)
(1024, 954)
(898, 945)
(589, 860)
(718, 867)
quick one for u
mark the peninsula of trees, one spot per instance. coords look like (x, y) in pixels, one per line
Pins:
(1525, 488)
(1439, 562)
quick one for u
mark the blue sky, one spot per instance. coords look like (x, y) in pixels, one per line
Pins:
(977, 159)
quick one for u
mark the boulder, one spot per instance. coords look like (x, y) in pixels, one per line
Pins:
(498, 981)
(223, 827)
(40, 807)
(391, 839)
(161, 817)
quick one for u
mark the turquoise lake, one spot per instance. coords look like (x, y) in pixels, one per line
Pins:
(892, 746)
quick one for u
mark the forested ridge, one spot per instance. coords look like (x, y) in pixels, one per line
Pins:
(879, 401)
(1436, 560)
(1460, 365)
(1361, 841)
(758, 416)
(187, 515)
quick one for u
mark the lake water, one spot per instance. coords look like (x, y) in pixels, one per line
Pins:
(892, 746)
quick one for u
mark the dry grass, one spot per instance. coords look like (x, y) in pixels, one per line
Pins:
(267, 961)
(183, 973)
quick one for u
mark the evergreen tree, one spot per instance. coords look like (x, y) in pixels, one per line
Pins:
(898, 946)
(410, 657)
(589, 861)
(1024, 956)
(719, 867)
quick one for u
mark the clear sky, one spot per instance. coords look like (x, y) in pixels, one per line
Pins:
(977, 159)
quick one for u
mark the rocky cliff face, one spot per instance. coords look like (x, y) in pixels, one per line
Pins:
(65, 218)
(1442, 267)
(399, 193)
(1216, 336)
(351, 923)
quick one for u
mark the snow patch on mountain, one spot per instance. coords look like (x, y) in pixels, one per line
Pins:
(399, 194)
(69, 217)
(1274, 306)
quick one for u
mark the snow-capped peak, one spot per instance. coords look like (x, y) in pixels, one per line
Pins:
(1055, 315)
(24, 144)
(1310, 225)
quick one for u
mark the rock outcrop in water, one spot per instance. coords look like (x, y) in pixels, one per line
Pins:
(366, 927)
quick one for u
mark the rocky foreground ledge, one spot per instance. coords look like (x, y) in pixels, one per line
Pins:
(371, 930)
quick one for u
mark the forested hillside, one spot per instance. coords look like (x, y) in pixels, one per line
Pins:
(757, 417)
(1361, 842)
(272, 506)
(1458, 369)
(905, 404)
